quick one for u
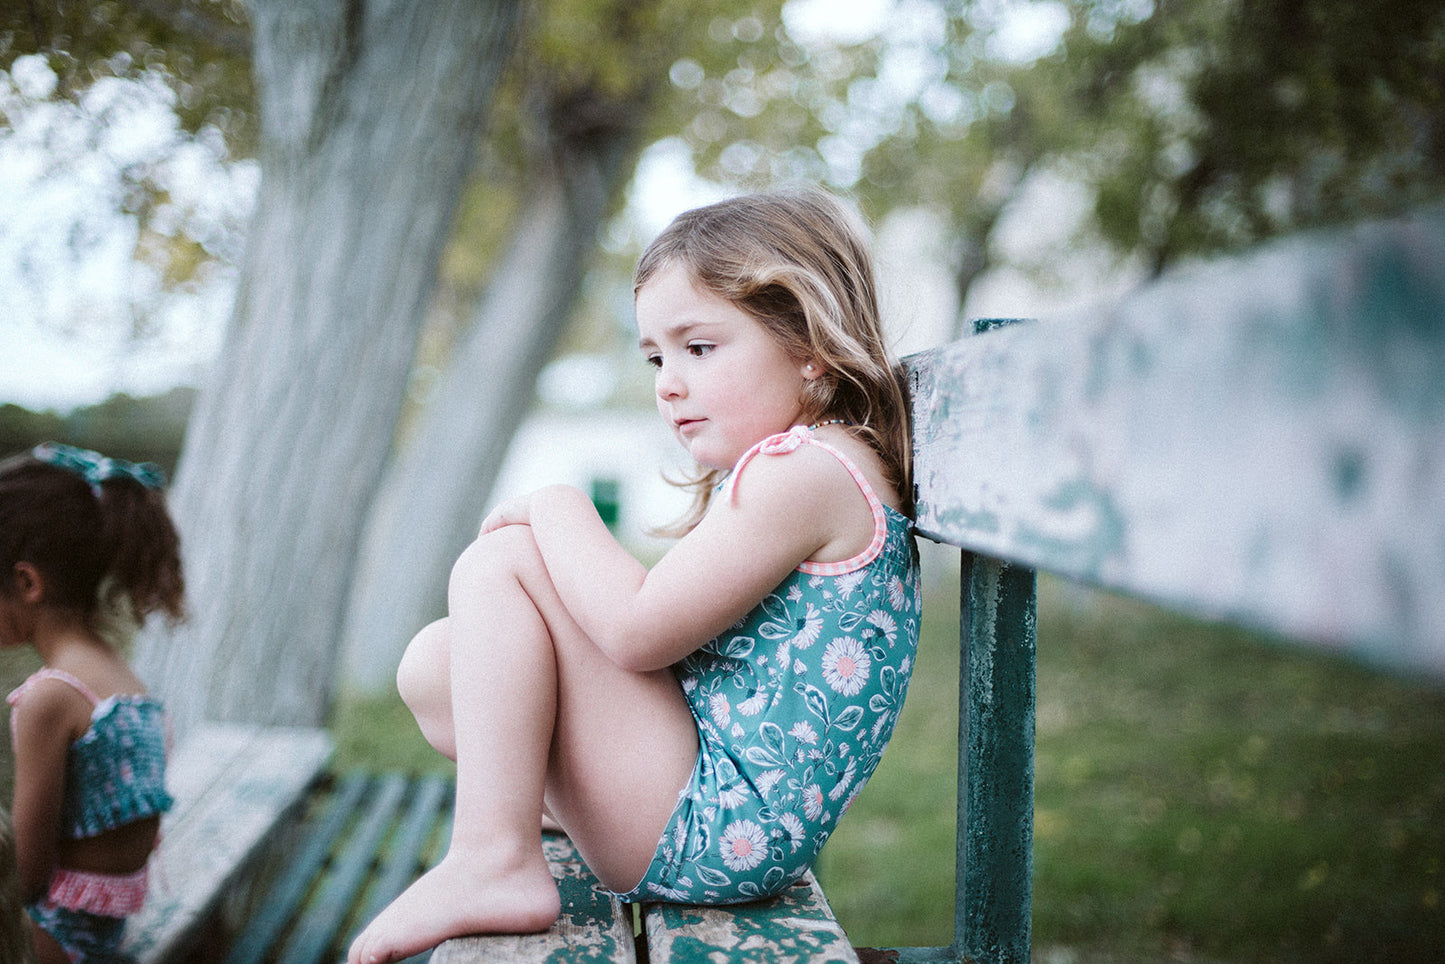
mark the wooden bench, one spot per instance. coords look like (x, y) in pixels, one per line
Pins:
(369, 835)
(1260, 440)
(235, 787)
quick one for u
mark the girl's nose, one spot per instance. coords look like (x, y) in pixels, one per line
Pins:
(669, 385)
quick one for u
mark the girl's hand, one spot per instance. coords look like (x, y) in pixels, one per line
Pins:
(519, 511)
(513, 512)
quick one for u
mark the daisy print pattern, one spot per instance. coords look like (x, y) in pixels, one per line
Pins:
(845, 666)
(794, 706)
(744, 845)
(811, 629)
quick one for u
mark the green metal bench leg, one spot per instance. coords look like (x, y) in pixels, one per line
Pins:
(993, 902)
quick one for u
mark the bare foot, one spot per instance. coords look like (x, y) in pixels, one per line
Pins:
(458, 897)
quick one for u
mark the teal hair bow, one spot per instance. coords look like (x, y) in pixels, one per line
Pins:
(96, 468)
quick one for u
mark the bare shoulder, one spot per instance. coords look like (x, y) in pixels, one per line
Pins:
(786, 480)
(103, 671)
(50, 705)
(809, 491)
(812, 474)
(865, 458)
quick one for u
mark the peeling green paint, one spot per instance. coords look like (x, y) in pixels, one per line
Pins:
(981, 325)
(1084, 555)
(994, 868)
(980, 521)
(795, 926)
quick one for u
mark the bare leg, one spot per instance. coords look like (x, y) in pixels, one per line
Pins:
(493, 877)
(424, 681)
(531, 699)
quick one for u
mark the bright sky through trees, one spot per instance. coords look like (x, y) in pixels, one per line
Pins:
(98, 296)
(84, 310)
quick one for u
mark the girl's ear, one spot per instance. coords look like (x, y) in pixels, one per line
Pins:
(27, 583)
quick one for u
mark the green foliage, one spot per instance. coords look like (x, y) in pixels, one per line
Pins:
(138, 429)
(1200, 126)
(202, 48)
(378, 733)
(107, 59)
(1244, 119)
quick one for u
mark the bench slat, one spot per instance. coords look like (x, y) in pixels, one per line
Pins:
(593, 925)
(233, 784)
(285, 897)
(431, 797)
(318, 927)
(1257, 440)
(796, 927)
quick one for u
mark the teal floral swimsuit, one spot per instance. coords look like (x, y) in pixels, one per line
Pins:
(114, 775)
(794, 706)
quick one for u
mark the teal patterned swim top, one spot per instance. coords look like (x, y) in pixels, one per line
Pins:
(115, 771)
(794, 706)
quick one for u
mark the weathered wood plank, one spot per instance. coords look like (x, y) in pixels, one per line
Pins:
(796, 927)
(1260, 439)
(993, 870)
(593, 925)
(233, 783)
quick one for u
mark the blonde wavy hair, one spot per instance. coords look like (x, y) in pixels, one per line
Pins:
(798, 262)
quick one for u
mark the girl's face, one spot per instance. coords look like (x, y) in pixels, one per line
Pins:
(723, 382)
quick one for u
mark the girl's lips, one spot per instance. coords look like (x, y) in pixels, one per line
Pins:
(685, 424)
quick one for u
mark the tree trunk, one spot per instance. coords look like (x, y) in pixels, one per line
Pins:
(435, 492)
(370, 118)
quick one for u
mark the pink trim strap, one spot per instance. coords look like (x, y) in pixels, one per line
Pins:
(17, 694)
(109, 895)
(785, 442)
(55, 674)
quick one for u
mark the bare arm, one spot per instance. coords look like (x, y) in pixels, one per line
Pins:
(780, 515)
(44, 730)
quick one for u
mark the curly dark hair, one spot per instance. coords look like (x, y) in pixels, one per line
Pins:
(103, 546)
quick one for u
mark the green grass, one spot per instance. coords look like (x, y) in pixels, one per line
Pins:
(1202, 794)
(378, 733)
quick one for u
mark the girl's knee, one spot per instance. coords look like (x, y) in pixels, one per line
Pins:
(422, 673)
(500, 554)
(423, 678)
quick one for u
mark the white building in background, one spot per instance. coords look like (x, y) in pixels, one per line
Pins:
(626, 451)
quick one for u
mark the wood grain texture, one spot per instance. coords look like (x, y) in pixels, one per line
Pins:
(233, 783)
(1260, 439)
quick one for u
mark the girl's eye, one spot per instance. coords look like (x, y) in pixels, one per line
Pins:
(699, 349)
(655, 361)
